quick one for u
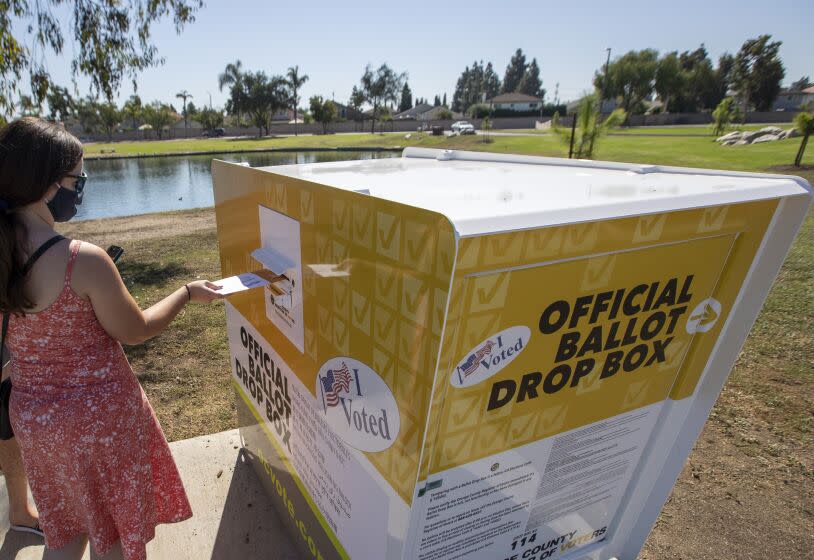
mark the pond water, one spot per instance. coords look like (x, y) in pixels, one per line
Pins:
(125, 187)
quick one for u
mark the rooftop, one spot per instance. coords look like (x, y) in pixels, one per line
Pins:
(514, 98)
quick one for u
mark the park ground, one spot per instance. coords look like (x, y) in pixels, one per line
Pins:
(747, 489)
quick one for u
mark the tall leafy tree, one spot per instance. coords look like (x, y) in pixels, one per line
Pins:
(265, 96)
(406, 100)
(474, 86)
(323, 110)
(515, 71)
(295, 81)
(110, 118)
(531, 84)
(60, 103)
(232, 76)
(132, 109)
(87, 112)
(210, 119)
(379, 87)
(758, 72)
(112, 41)
(631, 78)
(184, 95)
(436, 102)
(669, 78)
(159, 116)
(444, 101)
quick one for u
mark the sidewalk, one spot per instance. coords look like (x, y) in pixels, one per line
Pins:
(233, 517)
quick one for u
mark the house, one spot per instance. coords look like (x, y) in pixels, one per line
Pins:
(789, 100)
(414, 113)
(347, 113)
(433, 114)
(516, 102)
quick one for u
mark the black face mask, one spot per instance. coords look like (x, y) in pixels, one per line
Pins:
(63, 205)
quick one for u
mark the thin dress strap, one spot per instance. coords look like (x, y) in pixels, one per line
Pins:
(71, 260)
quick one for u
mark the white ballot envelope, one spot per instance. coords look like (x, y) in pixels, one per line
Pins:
(245, 281)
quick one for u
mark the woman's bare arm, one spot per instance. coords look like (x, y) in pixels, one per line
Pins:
(97, 278)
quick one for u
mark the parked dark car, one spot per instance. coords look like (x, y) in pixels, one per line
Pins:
(438, 130)
(214, 132)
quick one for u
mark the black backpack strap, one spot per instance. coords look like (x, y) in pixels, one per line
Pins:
(38, 253)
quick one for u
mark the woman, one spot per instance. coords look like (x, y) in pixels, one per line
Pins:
(97, 461)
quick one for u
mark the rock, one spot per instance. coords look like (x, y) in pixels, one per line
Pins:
(736, 135)
(740, 143)
(767, 138)
(773, 130)
(753, 135)
(792, 133)
(728, 142)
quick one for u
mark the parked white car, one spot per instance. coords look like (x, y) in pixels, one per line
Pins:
(463, 127)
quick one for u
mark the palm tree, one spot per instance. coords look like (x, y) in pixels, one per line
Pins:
(295, 82)
(233, 76)
(184, 94)
(805, 124)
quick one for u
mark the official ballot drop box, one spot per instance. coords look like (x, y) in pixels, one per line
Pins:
(485, 356)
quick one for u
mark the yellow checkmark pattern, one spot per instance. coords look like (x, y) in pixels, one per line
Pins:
(507, 279)
(386, 312)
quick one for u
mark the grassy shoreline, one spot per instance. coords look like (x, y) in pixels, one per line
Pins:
(684, 151)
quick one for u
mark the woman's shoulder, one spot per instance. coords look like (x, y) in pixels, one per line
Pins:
(92, 266)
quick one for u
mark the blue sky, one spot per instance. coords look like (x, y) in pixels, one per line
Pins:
(433, 41)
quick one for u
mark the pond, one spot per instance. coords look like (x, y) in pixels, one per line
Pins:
(126, 187)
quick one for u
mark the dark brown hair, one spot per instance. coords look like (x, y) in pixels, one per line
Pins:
(34, 154)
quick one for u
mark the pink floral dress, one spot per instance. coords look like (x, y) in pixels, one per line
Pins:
(96, 458)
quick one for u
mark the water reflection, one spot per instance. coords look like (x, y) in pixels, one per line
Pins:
(125, 187)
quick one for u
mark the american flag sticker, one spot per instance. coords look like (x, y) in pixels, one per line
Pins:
(336, 381)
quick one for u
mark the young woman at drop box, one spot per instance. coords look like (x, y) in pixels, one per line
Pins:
(98, 463)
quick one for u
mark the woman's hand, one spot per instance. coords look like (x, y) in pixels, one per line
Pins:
(203, 291)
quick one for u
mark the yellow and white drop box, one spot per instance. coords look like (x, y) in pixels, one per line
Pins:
(486, 356)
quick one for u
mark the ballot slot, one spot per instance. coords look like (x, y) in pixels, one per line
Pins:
(280, 257)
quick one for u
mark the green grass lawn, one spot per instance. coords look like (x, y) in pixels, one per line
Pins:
(681, 151)
(693, 130)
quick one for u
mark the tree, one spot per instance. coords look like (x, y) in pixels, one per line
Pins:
(264, 97)
(379, 87)
(132, 109)
(357, 99)
(436, 102)
(801, 84)
(232, 76)
(110, 118)
(60, 103)
(323, 111)
(159, 116)
(589, 127)
(722, 116)
(112, 41)
(444, 114)
(630, 77)
(758, 72)
(515, 71)
(87, 112)
(184, 94)
(295, 82)
(475, 85)
(805, 124)
(531, 84)
(444, 102)
(210, 119)
(192, 110)
(669, 78)
(406, 100)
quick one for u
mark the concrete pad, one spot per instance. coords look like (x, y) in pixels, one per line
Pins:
(232, 516)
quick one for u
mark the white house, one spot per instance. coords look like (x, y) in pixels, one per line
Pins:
(789, 100)
(519, 102)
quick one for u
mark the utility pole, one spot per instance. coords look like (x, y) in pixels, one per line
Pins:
(605, 85)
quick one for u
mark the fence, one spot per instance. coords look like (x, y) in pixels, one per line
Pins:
(406, 126)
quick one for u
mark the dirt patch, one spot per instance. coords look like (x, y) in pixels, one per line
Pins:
(122, 231)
